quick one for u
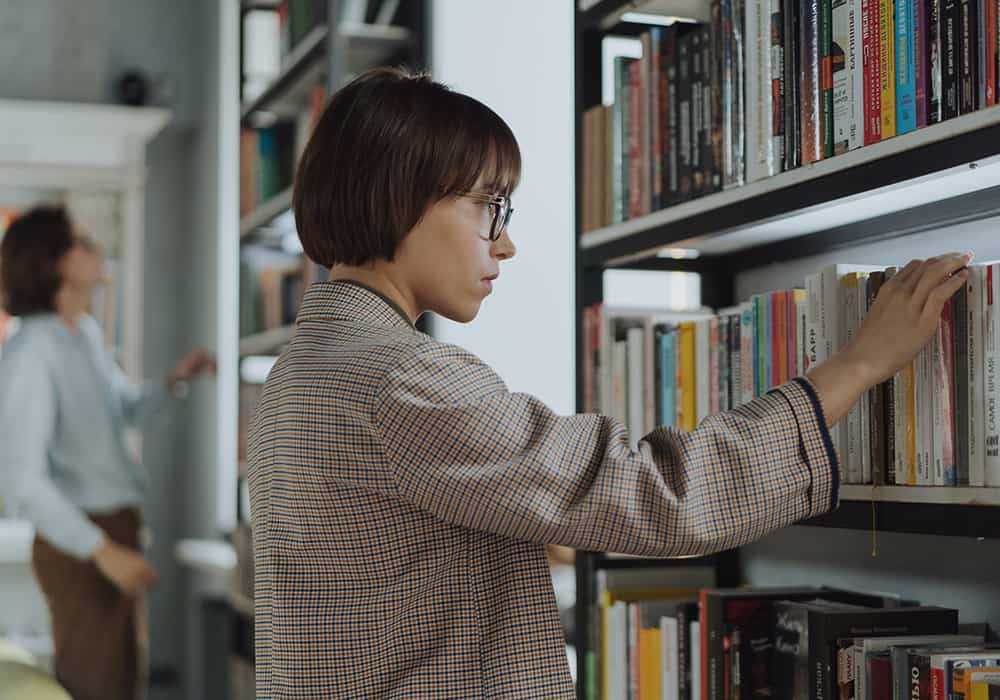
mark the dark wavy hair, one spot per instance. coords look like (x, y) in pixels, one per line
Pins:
(390, 145)
(29, 260)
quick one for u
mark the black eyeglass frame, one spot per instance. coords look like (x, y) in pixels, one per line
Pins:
(500, 211)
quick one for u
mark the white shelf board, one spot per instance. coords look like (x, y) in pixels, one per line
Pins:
(293, 93)
(266, 342)
(796, 222)
(947, 495)
(266, 212)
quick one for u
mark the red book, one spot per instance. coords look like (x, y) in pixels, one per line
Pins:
(778, 354)
(880, 675)
(870, 47)
(990, 35)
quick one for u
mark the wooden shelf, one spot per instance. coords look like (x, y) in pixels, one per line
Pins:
(266, 212)
(936, 168)
(268, 342)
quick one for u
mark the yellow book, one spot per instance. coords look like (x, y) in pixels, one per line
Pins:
(887, 60)
(909, 408)
(980, 689)
(689, 410)
(650, 682)
(963, 678)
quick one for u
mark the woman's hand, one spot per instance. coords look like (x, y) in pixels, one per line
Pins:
(899, 324)
(125, 568)
(190, 366)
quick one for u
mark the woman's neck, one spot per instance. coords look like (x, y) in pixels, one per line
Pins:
(376, 277)
(71, 305)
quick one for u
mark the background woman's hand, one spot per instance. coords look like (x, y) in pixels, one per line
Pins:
(191, 365)
(125, 568)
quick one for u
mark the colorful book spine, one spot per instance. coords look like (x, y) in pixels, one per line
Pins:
(872, 71)
(921, 61)
(887, 59)
(906, 110)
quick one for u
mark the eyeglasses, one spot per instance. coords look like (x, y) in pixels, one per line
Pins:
(500, 211)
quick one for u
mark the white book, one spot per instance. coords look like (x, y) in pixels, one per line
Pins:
(976, 436)
(619, 369)
(634, 389)
(649, 388)
(669, 659)
(920, 404)
(616, 679)
(991, 397)
(843, 78)
(829, 327)
(701, 364)
(930, 439)
(757, 36)
(746, 352)
(694, 638)
(605, 357)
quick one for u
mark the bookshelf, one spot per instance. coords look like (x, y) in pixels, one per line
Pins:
(940, 175)
(320, 55)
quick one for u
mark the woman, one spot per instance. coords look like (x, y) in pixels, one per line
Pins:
(402, 497)
(63, 462)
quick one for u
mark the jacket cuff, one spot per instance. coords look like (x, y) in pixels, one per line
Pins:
(817, 447)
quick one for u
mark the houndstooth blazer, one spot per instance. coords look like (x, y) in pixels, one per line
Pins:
(402, 496)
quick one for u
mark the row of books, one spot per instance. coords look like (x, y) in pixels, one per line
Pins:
(770, 85)
(787, 643)
(935, 423)
(268, 155)
(271, 288)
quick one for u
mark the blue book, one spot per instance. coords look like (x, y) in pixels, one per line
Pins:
(668, 377)
(906, 88)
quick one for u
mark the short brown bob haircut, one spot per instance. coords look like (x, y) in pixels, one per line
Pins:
(29, 260)
(389, 146)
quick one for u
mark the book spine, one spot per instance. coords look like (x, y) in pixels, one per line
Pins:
(656, 129)
(935, 84)
(684, 164)
(711, 646)
(715, 68)
(976, 436)
(843, 105)
(856, 76)
(776, 84)
(710, 180)
(635, 150)
(739, 80)
(810, 92)
(950, 58)
(877, 411)
(921, 61)
(872, 67)
(906, 111)
(620, 141)
(887, 58)
(852, 455)
(746, 353)
(865, 452)
(645, 135)
(959, 383)
(697, 114)
(673, 116)
(757, 122)
(712, 378)
(947, 388)
(968, 42)
(992, 364)
(990, 51)
(826, 75)
(793, 132)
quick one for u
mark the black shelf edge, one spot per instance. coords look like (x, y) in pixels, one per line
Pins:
(311, 49)
(926, 159)
(603, 561)
(914, 518)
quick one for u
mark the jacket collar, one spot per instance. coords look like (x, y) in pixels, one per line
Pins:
(351, 301)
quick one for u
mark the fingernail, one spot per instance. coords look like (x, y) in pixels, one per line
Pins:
(969, 255)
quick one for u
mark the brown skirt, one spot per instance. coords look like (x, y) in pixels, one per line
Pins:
(99, 632)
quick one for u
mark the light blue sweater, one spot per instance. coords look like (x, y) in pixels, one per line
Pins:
(64, 403)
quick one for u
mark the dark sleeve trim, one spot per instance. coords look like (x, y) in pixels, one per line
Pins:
(827, 442)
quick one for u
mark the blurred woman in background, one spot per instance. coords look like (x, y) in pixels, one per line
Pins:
(64, 404)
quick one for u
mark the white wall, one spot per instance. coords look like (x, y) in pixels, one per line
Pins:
(517, 57)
